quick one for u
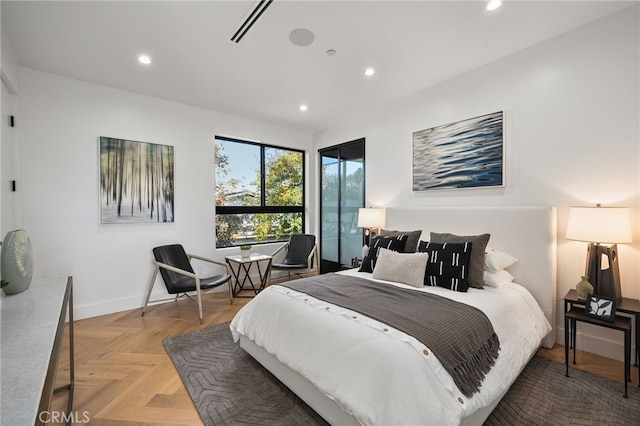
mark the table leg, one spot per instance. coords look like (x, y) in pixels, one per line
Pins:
(566, 345)
(627, 360)
(267, 273)
(235, 274)
(567, 306)
(246, 267)
(574, 334)
(241, 275)
(72, 372)
(637, 328)
(263, 276)
(574, 331)
(571, 343)
(67, 309)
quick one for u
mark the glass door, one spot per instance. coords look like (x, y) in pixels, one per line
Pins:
(341, 194)
(329, 211)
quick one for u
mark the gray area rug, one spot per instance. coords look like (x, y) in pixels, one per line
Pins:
(542, 395)
(228, 387)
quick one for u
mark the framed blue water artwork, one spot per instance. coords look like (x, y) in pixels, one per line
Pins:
(465, 154)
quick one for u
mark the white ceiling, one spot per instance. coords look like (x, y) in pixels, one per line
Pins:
(411, 44)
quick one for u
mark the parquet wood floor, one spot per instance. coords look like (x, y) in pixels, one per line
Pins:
(595, 364)
(125, 377)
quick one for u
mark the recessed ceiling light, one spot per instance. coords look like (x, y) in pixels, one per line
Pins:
(303, 107)
(494, 4)
(369, 72)
(144, 59)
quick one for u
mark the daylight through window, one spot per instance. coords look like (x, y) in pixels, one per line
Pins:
(259, 192)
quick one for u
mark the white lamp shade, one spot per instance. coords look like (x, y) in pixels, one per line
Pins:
(371, 218)
(609, 225)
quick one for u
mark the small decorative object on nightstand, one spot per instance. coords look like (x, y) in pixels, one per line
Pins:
(584, 288)
(601, 308)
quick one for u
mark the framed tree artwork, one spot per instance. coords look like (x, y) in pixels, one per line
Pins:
(136, 181)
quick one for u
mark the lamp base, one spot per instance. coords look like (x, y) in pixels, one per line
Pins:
(606, 281)
(369, 233)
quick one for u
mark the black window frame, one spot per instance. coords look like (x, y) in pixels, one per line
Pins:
(263, 208)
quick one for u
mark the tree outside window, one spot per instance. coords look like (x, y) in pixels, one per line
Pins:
(259, 192)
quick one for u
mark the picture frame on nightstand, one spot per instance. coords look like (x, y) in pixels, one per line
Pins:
(601, 307)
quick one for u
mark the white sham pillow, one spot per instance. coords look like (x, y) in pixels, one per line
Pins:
(496, 260)
(406, 268)
(497, 278)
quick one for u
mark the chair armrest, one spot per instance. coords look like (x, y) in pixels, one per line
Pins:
(282, 247)
(174, 269)
(314, 251)
(206, 259)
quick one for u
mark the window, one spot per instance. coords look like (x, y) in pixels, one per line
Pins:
(259, 192)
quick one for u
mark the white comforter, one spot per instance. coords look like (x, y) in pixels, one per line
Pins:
(381, 375)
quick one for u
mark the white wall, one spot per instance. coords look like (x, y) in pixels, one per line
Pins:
(9, 170)
(62, 120)
(8, 63)
(9, 136)
(572, 129)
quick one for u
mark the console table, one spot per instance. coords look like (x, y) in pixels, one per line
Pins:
(32, 329)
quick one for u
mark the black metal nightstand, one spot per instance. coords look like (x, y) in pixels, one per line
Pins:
(355, 263)
(573, 315)
(627, 306)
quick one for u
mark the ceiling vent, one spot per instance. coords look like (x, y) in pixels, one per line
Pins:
(251, 19)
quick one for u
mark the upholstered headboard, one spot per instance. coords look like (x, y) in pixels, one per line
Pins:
(527, 233)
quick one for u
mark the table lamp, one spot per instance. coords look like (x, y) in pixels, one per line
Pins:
(371, 218)
(601, 225)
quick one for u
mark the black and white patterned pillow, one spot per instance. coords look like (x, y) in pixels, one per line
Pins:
(476, 263)
(395, 243)
(448, 264)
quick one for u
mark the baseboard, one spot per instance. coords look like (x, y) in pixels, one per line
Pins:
(108, 307)
(607, 346)
(126, 304)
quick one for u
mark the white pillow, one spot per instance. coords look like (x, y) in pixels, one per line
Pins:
(496, 260)
(497, 278)
(406, 268)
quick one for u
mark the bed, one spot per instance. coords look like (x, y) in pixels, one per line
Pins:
(353, 369)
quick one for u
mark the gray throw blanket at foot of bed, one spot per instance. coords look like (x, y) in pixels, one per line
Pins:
(460, 335)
